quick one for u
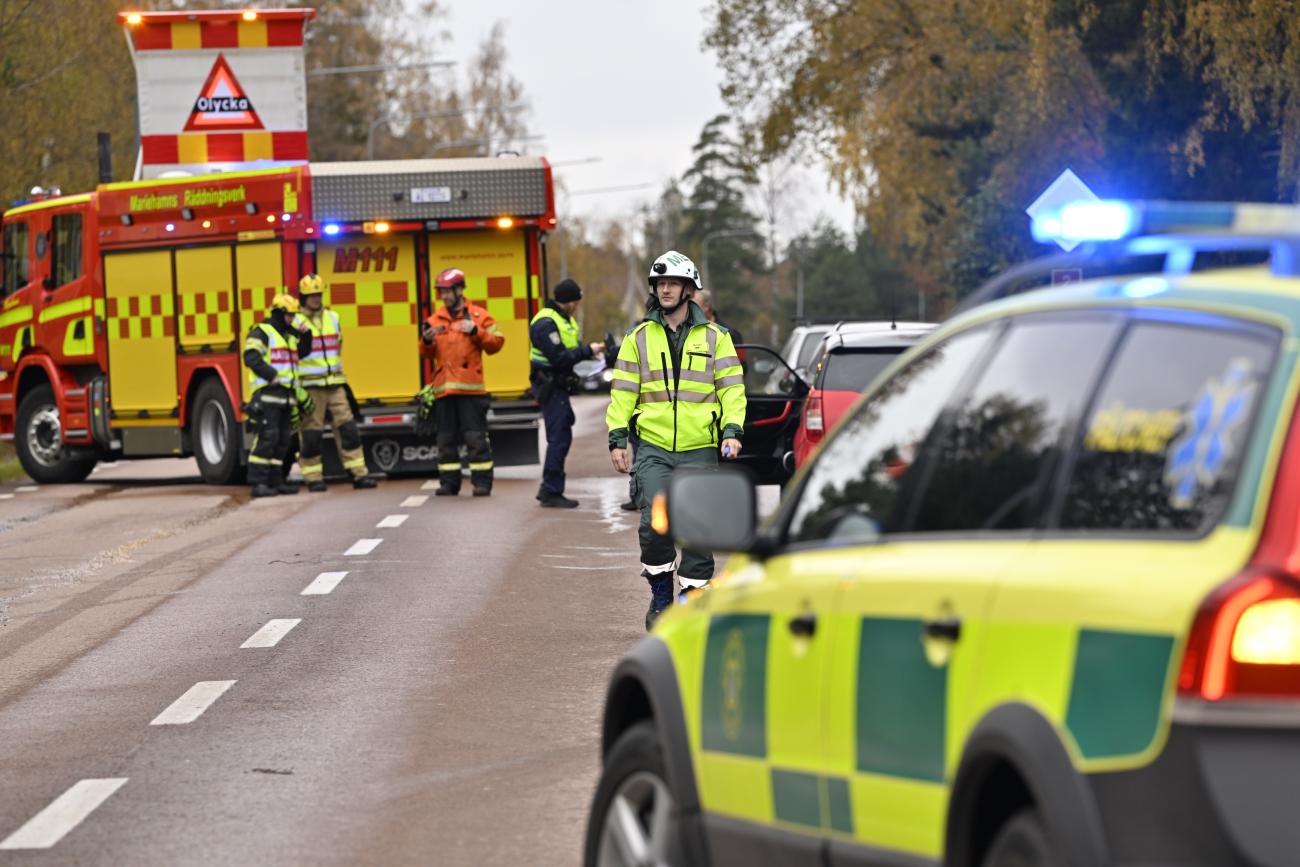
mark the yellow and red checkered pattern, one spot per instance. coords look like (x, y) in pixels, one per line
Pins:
(206, 317)
(141, 317)
(372, 302)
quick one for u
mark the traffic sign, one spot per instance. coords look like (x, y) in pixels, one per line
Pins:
(1065, 189)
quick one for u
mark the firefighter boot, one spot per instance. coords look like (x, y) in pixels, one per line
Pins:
(265, 490)
(364, 482)
(318, 486)
(661, 596)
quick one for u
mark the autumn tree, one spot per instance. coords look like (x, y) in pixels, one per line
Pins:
(65, 74)
(945, 119)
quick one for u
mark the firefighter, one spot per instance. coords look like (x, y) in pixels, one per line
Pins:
(271, 353)
(679, 374)
(321, 374)
(556, 347)
(455, 337)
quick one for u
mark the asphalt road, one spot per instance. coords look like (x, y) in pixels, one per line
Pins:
(438, 703)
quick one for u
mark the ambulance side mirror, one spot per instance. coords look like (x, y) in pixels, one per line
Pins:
(709, 510)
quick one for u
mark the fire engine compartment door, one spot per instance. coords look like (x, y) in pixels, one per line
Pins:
(496, 277)
(205, 299)
(141, 333)
(371, 286)
(259, 274)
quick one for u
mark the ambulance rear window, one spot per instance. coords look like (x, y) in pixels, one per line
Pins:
(17, 259)
(1164, 439)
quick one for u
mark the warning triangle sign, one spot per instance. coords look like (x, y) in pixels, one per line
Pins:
(222, 103)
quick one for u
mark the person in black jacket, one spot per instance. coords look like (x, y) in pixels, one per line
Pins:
(556, 347)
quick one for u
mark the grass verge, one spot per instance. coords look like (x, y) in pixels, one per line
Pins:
(9, 466)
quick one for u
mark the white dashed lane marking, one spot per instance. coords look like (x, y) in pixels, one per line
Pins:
(392, 521)
(191, 706)
(431, 485)
(6, 496)
(324, 583)
(66, 812)
(26, 489)
(362, 547)
(270, 634)
(414, 502)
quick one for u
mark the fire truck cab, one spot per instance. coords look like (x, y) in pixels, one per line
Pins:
(123, 311)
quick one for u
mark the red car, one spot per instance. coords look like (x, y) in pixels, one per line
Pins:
(848, 359)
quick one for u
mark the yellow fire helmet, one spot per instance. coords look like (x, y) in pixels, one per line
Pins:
(285, 302)
(311, 284)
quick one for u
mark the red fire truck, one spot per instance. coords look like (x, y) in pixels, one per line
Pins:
(123, 311)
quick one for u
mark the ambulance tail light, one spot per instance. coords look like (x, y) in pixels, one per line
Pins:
(813, 415)
(1245, 639)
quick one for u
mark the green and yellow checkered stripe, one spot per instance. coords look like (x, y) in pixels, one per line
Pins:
(137, 317)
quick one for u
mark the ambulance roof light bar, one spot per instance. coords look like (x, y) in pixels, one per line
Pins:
(1114, 220)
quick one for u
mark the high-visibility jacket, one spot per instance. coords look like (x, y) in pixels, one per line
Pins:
(324, 367)
(692, 403)
(276, 352)
(565, 326)
(457, 356)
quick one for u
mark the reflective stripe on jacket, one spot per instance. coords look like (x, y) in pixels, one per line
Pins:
(457, 356)
(683, 409)
(567, 328)
(324, 367)
(276, 352)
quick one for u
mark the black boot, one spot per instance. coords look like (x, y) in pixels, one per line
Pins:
(264, 490)
(556, 501)
(364, 482)
(661, 596)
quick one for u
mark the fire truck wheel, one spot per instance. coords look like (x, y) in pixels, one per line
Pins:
(214, 435)
(39, 440)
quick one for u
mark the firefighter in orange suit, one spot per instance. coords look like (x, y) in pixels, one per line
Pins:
(455, 337)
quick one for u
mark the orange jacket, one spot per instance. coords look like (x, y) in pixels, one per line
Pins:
(457, 356)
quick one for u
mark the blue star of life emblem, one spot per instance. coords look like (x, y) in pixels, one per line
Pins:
(1206, 447)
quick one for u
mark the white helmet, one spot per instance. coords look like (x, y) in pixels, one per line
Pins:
(674, 264)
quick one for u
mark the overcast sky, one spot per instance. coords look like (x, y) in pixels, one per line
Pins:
(627, 81)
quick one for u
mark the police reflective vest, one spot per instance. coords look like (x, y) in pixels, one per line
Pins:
(278, 353)
(324, 367)
(682, 410)
(568, 333)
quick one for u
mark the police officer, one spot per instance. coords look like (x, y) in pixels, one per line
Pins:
(321, 374)
(680, 375)
(271, 353)
(456, 337)
(556, 347)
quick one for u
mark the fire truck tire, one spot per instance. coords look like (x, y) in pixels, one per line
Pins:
(39, 441)
(215, 435)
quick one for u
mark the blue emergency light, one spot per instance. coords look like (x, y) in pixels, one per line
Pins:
(331, 229)
(1113, 220)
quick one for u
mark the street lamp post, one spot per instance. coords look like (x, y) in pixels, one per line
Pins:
(724, 233)
(430, 115)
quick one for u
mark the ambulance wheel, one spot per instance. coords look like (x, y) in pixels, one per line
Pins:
(1023, 842)
(214, 434)
(634, 816)
(39, 441)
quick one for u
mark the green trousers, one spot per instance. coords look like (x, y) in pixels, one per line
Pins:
(649, 477)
